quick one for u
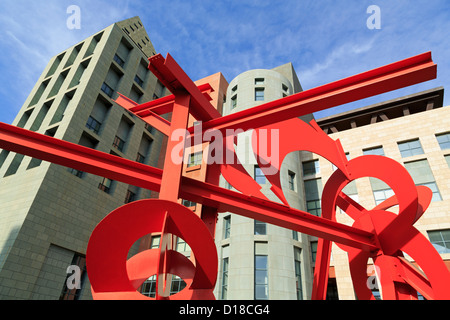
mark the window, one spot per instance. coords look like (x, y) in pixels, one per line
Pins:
(107, 89)
(298, 273)
(155, 241)
(233, 101)
(422, 175)
(291, 178)
(224, 292)
(294, 235)
(381, 195)
(148, 288)
(447, 158)
(313, 194)
(226, 227)
(410, 148)
(139, 81)
(259, 81)
(75, 172)
(374, 151)
(311, 167)
(259, 175)
(440, 240)
(313, 245)
(75, 293)
(118, 143)
(183, 247)
(261, 272)
(130, 196)
(177, 285)
(259, 94)
(444, 140)
(105, 185)
(93, 124)
(140, 158)
(313, 207)
(260, 228)
(188, 203)
(195, 159)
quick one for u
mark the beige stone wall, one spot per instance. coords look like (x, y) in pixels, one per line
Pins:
(425, 126)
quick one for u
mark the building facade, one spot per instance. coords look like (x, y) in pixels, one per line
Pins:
(47, 212)
(414, 131)
(258, 260)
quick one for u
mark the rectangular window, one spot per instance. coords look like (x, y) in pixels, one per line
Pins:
(259, 81)
(381, 195)
(226, 227)
(183, 247)
(154, 243)
(374, 151)
(298, 273)
(444, 140)
(313, 245)
(410, 148)
(422, 175)
(259, 175)
(107, 89)
(130, 196)
(119, 60)
(224, 291)
(259, 94)
(140, 158)
(291, 178)
(260, 228)
(261, 272)
(233, 101)
(188, 203)
(195, 159)
(311, 167)
(105, 185)
(148, 288)
(118, 143)
(75, 172)
(440, 240)
(93, 125)
(139, 81)
(447, 158)
(177, 285)
(313, 194)
(75, 293)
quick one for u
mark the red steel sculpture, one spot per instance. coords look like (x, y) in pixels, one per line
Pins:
(376, 233)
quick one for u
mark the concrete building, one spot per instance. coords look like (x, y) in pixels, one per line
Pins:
(259, 260)
(47, 212)
(414, 131)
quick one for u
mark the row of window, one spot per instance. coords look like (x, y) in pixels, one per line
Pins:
(259, 92)
(419, 170)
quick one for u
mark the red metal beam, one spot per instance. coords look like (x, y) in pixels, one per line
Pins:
(99, 163)
(176, 80)
(391, 77)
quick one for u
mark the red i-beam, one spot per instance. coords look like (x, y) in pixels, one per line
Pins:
(188, 99)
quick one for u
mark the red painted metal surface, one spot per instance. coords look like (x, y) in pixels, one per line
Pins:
(376, 233)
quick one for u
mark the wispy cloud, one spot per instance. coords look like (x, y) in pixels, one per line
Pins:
(324, 40)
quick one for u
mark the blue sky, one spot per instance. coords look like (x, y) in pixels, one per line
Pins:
(326, 40)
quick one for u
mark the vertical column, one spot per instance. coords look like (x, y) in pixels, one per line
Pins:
(170, 185)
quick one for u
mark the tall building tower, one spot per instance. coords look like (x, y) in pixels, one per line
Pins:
(47, 212)
(259, 260)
